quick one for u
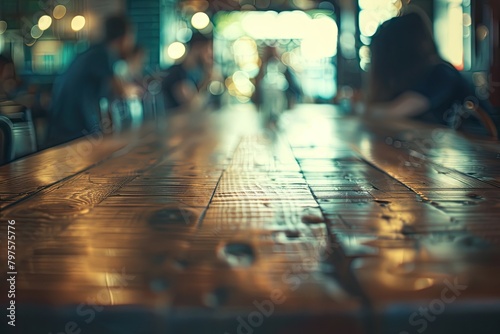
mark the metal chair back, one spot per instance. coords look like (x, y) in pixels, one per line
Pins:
(6, 140)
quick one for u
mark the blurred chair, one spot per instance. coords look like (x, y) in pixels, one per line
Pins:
(23, 128)
(487, 122)
(6, 140)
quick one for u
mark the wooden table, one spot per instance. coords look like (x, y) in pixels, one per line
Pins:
(213, 223)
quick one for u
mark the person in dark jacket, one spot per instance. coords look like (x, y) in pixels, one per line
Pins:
(77, 93)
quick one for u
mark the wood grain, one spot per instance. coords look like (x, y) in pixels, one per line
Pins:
(355, 225)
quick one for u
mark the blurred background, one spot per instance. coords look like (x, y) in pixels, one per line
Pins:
(322, 48)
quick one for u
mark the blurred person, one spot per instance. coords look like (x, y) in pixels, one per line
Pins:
(12, 89)
(408, 78)
(273, 72)
(77, 93)
(8, 78)
(185, 84)
(275, 87)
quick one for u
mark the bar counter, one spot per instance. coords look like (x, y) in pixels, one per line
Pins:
(216, 223)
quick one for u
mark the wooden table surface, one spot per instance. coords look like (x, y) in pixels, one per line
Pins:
(213, 223)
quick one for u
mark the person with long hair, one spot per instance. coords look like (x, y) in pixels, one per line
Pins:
(408, 78)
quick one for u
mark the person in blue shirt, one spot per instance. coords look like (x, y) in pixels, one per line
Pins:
(77, 93)
(408, 78)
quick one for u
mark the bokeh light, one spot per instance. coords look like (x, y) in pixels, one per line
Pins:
(36, 32)
(3, 27)
(176, 50)
(297, 38)
(482, 32)
(304, 4)
(450, 31)
(30, 41)
(59, 12)
(372, 14)
(200, 20)
(314, 45)
(44, 22)
(326, 5)
(467, 20)
(184, 35)
(78, 23)
(216, 88)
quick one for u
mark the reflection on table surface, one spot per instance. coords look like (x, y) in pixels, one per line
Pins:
(218, 223)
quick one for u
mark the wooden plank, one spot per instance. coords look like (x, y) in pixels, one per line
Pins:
(320, 210)
(427, 226)
(263, 202)
(26, 176)
(44, 215)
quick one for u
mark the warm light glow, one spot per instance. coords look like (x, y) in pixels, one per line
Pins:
(242, 83)
(298, 38)
(271, 25)
(176, 50)
(3, 27)
(375, 12)
(304, 4)
(78, 23)
(200, 20)
(467, 20)
(44, 22)
(314, 45)
(482, 32)
(372, 14)
(59, 12)
(36, 32)
(449, 31)
(369, 22)
(455, 37)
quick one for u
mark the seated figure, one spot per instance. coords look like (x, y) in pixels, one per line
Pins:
(408, 78)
